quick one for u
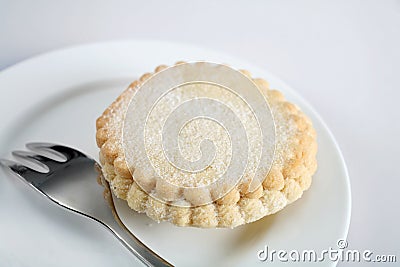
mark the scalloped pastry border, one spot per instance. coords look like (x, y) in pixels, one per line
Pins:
(290, 175)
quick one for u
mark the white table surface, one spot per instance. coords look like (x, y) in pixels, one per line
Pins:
(341, 56)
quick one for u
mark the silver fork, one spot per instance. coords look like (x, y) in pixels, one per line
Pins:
(69, 178)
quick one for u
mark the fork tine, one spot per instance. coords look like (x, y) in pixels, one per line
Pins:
(45, 163)
(27, 174)
(39, 145)
(67, 151)
(48, 148)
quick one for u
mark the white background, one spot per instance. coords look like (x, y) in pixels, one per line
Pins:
(343, 57)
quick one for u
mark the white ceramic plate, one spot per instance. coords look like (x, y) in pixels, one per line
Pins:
(57, 97)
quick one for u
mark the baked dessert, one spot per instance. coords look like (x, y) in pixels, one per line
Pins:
(290, 173)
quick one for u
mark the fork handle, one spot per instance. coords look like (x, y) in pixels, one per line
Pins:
(134, 245)
(130, 241)
(113, 222)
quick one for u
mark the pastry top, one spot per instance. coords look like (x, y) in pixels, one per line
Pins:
(291, 172)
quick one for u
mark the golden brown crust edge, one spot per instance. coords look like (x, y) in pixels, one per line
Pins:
(290, 175)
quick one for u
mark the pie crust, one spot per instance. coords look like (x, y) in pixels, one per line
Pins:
(291, 173)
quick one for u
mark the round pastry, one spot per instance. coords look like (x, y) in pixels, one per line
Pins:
(289, 174)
